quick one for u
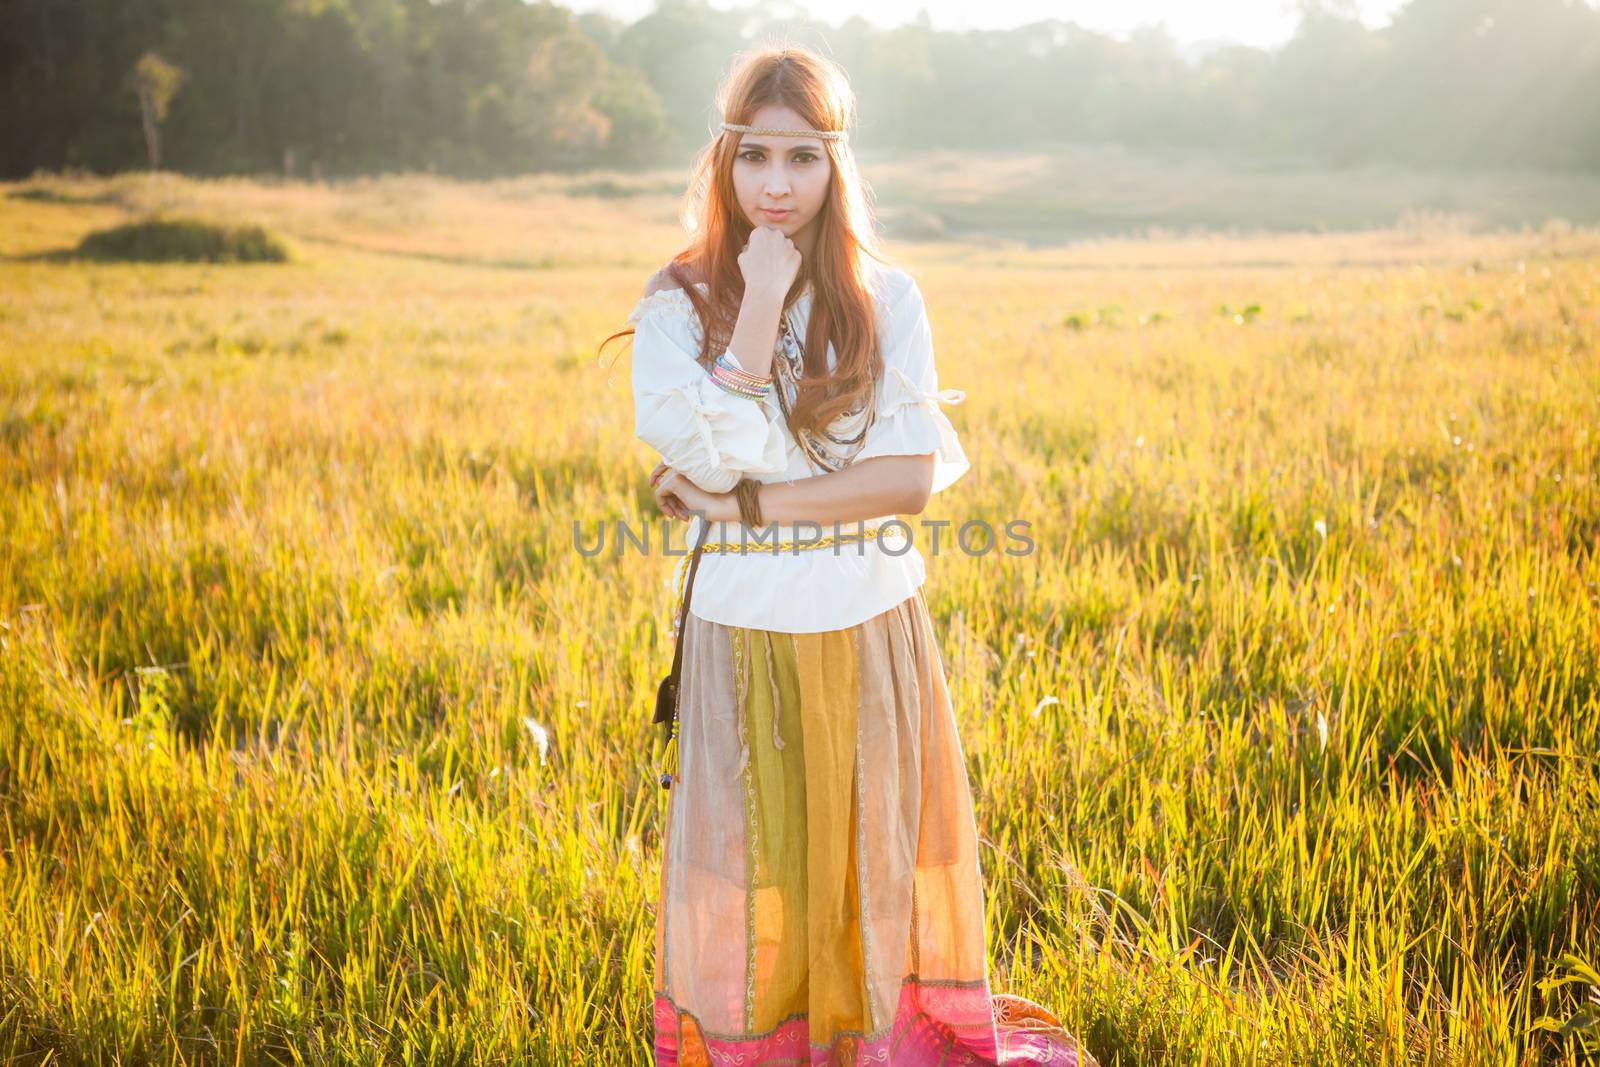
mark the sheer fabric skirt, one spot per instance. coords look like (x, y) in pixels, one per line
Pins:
(821, 899)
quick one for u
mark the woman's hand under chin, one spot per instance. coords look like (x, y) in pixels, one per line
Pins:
(680, 498)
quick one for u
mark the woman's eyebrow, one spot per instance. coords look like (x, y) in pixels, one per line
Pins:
(796, 148)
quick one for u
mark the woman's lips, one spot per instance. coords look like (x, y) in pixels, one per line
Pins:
(776, 216)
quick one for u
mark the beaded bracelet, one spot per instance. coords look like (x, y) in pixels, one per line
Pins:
(739, 374)
(738, 381)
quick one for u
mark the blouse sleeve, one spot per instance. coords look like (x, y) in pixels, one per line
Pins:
(908, 421)
(713, 436)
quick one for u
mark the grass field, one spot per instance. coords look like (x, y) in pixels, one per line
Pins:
(320, 743)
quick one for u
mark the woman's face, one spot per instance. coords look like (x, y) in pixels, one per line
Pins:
(790, 174)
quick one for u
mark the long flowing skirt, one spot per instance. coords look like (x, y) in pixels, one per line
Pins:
(821, 899)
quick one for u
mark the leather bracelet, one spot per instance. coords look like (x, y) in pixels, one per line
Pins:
(747, 492)
(749, 508)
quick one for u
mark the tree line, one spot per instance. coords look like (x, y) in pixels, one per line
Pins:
(483, 88)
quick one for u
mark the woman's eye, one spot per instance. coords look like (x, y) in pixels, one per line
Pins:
(756, 157)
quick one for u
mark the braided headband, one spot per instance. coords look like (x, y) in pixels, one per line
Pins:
(773, 131)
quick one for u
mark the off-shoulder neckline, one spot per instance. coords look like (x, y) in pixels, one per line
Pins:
(677, 297)
(885, 298)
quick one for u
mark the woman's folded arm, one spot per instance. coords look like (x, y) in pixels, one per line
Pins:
(715, 437)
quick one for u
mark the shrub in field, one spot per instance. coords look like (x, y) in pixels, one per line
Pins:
(187, 240)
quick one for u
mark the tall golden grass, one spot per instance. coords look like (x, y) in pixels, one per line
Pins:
(321, 742)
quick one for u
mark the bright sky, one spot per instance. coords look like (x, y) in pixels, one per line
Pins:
(1263, 23)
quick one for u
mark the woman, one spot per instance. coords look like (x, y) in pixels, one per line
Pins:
(821, 898)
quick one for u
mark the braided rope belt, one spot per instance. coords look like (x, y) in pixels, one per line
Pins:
(871, 533)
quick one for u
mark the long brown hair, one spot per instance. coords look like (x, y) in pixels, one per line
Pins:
(842, 310)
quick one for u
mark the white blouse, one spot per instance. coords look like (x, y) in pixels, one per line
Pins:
(715, 438)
